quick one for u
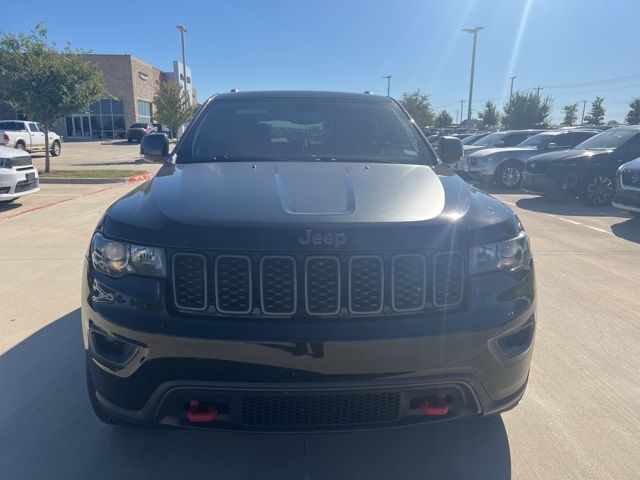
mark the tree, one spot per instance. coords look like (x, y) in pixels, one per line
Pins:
(43, 82)
(443, 119)
(489, 116)
(613, 123)
(570, 115)
(633, 116)
(172, 106)
(419, 107)
(596, 115)
(527, 110)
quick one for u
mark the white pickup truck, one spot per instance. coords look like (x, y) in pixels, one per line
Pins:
(28, 136)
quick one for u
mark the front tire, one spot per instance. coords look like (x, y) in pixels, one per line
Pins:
(56, 149)
(509, 175)
(598, 190)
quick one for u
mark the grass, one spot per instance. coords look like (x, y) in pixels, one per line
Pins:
(91, 173)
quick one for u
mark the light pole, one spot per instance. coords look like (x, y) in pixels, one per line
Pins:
(584, 106)
(473, 66)
(388, 77)
(511, 89)
(184, 61)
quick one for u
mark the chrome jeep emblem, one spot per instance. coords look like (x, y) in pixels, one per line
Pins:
(330, 239)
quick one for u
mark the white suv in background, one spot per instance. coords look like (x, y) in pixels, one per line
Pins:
(28, 136)
(18, 176)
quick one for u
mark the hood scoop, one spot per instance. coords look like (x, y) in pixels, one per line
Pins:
(331, 191)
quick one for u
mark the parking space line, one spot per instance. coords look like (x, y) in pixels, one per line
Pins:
(573, 222)
(59, 202)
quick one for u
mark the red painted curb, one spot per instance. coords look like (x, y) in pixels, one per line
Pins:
(59, 202)
(140, 178)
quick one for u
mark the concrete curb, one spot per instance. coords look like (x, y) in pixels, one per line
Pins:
(134, 178)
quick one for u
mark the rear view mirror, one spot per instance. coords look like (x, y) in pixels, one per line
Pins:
(499, 143)
(155, 147)
(552, 146)
(450, 150)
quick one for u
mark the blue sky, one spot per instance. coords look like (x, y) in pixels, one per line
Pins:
(565, 46)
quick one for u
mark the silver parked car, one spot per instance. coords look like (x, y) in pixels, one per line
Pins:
(504, 166)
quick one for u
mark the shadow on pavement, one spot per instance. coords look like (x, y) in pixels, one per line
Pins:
(49, 431)
(629, 230)
(567, 207)
(8, 206)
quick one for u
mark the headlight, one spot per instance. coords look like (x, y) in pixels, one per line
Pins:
(509, 255)
(119, 259)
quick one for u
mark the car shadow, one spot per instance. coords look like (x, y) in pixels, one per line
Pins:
(8, 206)
(569, 207)
(629, 230)
(49, 431)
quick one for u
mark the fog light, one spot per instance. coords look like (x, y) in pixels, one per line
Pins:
(111, 349)
(516, 343)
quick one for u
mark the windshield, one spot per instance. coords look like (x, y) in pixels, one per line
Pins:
(490, 139)
(471, 139)
(607, 140)
(303, 129)
(536, 140)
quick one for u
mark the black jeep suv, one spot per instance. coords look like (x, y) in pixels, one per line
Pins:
(304, 262)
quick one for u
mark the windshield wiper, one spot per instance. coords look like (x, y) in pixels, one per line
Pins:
(231, 158)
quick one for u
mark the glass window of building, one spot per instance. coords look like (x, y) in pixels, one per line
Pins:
(104, 119)
(144, 112)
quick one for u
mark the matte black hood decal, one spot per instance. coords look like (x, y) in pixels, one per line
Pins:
(271, 205)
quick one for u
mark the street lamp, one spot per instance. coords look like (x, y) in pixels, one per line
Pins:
(388, 77)
(473, 66)
(512, 78)
(184, 61)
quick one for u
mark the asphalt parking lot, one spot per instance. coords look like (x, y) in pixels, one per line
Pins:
(579, 418)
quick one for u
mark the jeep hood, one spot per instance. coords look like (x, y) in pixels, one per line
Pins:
(203, 204)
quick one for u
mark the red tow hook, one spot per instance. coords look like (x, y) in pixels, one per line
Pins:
(200, 414)
(438, 408)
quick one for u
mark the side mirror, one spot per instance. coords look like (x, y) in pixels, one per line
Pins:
(552, 146)
(155, 147)
(499, 143)
(450, 150)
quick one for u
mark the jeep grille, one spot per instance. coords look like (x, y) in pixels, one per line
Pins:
(317, 285)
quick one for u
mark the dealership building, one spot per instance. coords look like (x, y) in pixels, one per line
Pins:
(131, 84)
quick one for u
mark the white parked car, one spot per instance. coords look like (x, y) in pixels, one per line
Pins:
(28, 136)
(18, 176)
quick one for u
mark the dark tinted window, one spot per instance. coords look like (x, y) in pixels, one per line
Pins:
(138, 125)
(304, 129)
(11, 126)
(514, 139)
(33, 127)
(633, 144)
(574, 138)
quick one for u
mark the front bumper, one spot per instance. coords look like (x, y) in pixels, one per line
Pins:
(17, 182)
(267, 375)
(627, 199)
(552, 185)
